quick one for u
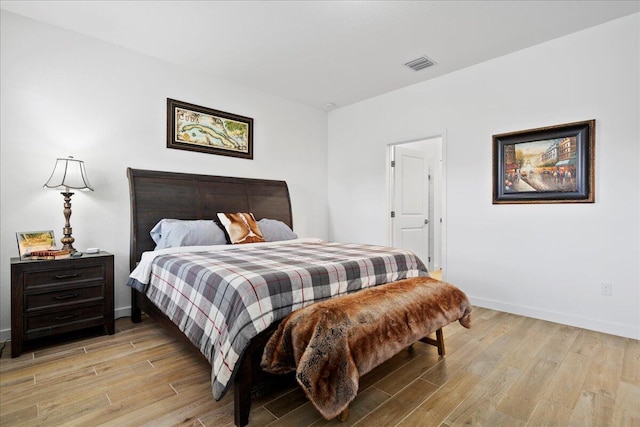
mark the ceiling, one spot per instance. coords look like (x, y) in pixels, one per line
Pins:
(321, 52)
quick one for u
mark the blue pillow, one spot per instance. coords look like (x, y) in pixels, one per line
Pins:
(169, 233)
(274, 230)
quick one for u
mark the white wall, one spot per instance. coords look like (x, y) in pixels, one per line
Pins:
(66, 94)
(545, 261)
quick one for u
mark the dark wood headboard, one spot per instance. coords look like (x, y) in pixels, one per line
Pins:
(156, 195)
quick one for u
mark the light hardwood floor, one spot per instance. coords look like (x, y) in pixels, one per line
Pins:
(507, 370)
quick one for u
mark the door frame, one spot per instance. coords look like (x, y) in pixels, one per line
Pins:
(443, 192)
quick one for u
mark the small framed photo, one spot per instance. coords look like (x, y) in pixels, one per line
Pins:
(554, 164)
(195, 128)
(29, 241)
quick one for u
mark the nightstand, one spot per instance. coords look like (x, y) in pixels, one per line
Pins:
(51, 299)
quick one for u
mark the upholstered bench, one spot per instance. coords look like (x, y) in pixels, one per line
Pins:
(331, 344)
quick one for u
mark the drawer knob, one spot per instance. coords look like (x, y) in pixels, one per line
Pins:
(67, 276)
(65, 296)
(68, 316)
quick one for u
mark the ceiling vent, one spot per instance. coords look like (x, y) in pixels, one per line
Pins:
(420, 63)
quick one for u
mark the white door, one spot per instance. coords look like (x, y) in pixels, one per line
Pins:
(410, 210)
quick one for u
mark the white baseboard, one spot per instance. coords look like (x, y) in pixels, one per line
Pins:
(5, 335)
(613, 328)
(122, 312)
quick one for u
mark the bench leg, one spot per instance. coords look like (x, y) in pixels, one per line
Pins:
(438, 342)
(344, 414)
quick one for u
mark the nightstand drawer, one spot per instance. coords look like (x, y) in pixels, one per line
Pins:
(34, 279)
(64, 319)
(35, 301)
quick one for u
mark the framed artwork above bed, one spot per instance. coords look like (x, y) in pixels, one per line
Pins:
(195, 128)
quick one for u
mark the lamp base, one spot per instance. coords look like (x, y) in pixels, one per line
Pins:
(69, 247)
(67, 240)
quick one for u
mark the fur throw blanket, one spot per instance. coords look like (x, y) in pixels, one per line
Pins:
(330, 344)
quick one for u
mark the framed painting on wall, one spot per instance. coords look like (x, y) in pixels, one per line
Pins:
(195, 128)
(554, 164)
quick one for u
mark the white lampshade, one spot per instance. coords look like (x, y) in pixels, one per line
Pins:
(69, 173)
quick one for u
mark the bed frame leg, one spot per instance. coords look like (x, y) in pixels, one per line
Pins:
(136, 312)
(242, 391)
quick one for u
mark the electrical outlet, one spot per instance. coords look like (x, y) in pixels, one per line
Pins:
(606, 289)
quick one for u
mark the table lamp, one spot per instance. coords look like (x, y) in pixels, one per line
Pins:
(68, 173)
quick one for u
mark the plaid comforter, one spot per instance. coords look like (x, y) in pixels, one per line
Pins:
(222, 299)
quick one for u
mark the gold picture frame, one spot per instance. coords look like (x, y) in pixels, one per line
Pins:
(29, 241)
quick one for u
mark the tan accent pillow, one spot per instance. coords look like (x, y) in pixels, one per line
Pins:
(241, 227)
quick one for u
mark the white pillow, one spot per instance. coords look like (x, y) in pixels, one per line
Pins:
(169, 233)
(274, 230)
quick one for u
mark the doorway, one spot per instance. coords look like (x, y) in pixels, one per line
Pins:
(416, 194)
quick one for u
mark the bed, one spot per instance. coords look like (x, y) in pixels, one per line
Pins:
(156, 195)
